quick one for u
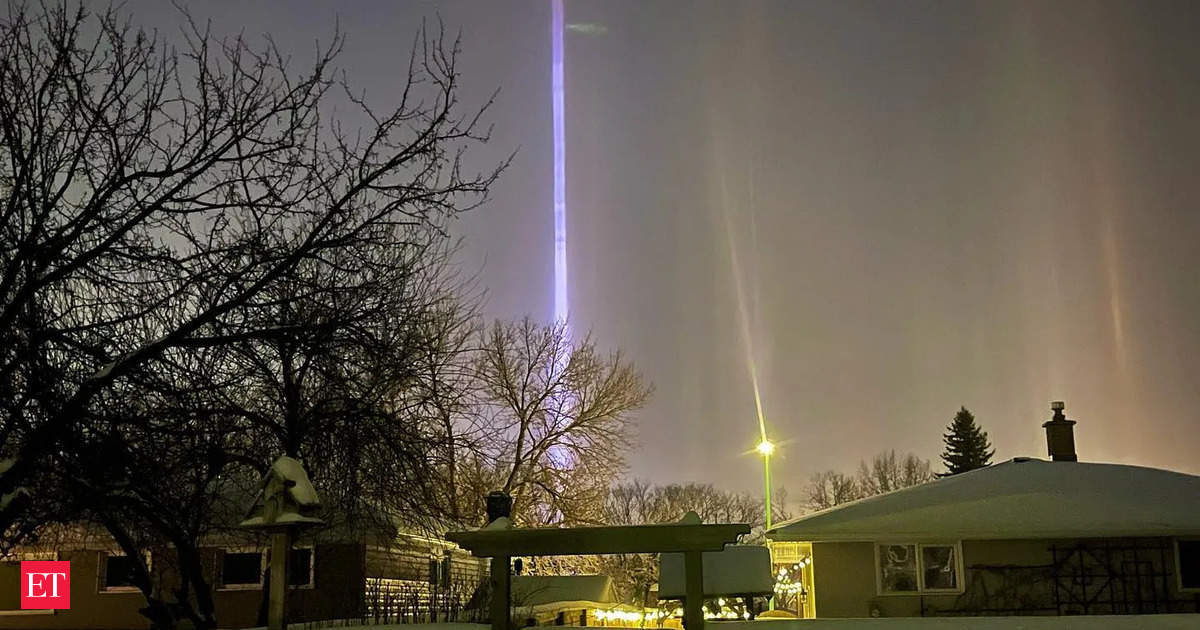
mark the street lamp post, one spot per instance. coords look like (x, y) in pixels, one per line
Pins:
(765, 448)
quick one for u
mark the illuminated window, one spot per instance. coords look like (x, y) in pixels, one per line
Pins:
(911, 568)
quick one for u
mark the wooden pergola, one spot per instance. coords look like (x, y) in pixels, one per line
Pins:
(689, 537)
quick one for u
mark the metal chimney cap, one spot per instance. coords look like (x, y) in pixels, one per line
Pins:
(1058, 405)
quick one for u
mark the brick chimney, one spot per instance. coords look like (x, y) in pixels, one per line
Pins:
(1060, 435)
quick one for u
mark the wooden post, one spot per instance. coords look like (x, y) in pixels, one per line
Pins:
(280, 550)
(500, 592)
(693, 603)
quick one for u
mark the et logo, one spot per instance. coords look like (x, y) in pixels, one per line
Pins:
(45, 584)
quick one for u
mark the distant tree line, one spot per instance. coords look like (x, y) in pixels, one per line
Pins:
(885, 473)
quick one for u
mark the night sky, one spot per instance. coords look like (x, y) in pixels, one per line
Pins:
(896, 208)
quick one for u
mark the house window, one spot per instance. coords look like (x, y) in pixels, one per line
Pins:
(1187, 558)
(939, 568)
(898, 569)
(242, 569)
(117, 572)
(911, 568)
(300, 567)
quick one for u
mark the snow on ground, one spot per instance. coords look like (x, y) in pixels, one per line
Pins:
(332, 625)
(1117, 622)
(1097, 622)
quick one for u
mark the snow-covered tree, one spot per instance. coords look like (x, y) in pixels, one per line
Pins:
(967, 446)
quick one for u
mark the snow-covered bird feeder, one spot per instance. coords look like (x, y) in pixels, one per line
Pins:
(286, 503)
(287, 499)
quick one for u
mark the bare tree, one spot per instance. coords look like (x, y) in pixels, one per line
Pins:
(557, 418)
(155, 469)
(347, 387)
(639, 503)
(887, 473)
(156, 201)
(829, 488)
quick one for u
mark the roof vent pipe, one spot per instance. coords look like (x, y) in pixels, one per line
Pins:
(1060, 435)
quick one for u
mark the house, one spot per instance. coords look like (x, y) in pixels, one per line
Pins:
(1024, 537)
(397, 576)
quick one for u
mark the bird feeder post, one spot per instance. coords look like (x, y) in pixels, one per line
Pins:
(501, 592)
(281, 546)
(286, 503)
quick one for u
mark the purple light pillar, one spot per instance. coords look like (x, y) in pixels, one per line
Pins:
(560, 170)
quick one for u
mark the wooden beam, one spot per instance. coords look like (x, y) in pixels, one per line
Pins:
(597, 540)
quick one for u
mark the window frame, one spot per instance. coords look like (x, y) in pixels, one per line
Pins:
(262, 569)
(920, 563)
(102, 571)
(264, 565)
(956, 549)
(1179, 566)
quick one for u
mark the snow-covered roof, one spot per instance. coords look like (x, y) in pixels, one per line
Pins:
(1021, 498)
(738, 570)
(541, 590)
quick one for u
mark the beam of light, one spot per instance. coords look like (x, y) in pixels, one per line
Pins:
(1112, 266)
(743, 311)
(588, 28)
(725, 157)
(560, 170)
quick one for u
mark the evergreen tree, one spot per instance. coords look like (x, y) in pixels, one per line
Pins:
(967, 446)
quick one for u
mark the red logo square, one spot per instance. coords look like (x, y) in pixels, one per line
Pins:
(46, 584)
